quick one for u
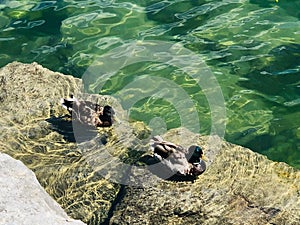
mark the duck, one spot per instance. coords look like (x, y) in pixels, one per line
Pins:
(88, 113)
(67, 103)
(181, 161)
(197, 160)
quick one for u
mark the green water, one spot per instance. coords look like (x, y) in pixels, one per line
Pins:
(252, 48)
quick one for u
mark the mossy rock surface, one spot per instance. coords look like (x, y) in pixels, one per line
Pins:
(85, 172)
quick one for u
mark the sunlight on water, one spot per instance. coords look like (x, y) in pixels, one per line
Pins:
(252, 47)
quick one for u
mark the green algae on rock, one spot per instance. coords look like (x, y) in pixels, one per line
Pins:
(30, 112)
(239, 186)
(35, 131)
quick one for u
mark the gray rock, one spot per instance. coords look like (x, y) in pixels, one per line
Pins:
(22, 199)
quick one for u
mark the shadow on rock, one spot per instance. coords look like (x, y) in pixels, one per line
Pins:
(73, 131)
(162, 171)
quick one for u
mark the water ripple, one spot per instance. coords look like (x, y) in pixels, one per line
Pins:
(252, 48)
(43, 5)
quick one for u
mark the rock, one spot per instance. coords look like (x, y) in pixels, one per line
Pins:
(29, 92)
(69, 162)
(239, 187)
(22, 199)
(85, 171)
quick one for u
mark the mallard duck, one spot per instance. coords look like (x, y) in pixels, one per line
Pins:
(67, 103)
(89, 113)
(196, 159)
(177, 159)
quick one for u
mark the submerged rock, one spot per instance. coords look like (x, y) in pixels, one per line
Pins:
(96, 175)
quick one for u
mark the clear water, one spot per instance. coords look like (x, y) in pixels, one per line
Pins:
(252, 47)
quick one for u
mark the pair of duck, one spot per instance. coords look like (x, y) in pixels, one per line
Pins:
(89, 113)
(181, 161)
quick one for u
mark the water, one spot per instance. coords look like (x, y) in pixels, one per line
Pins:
(252, 48)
